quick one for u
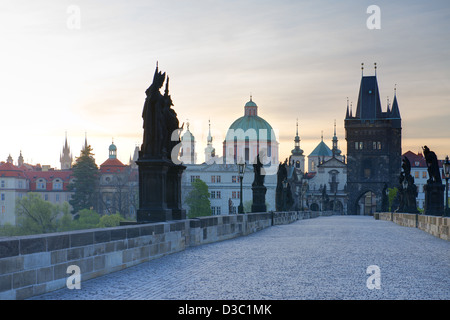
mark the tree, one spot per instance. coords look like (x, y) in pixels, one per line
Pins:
(85, 183)
(86, 219)
(392, 193)
(34, 215)
(198, 199)
(112, 220)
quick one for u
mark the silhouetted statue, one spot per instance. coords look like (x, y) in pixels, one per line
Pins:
(434, 190)
(281, 177)
(407, 189)
(159, 176)
(433, 166)
(259, 178)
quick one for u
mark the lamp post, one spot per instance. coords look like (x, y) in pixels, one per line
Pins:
(446, 170)
(241, 170)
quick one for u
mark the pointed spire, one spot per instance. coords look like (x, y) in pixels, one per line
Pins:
(296, 130)
(166, 91)
(362, 69)
(375, 66)
(395, 112)
(321, 135)
(347, 114)
(388, 106)
(351, 109)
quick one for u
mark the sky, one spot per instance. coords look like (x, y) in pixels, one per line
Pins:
(81, 68)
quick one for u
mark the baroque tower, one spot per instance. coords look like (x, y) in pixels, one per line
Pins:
(374, 148)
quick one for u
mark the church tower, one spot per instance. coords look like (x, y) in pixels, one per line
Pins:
(374, 148)
(297, 159)
(187, 152)
(66, 158)
(210, 152)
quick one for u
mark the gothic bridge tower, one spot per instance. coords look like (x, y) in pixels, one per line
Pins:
(374, 148)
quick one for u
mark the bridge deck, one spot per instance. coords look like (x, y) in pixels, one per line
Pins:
(322, 258)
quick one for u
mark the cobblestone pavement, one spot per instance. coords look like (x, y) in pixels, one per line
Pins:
(322, 258)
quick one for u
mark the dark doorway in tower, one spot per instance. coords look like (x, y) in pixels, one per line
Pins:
(367, 204)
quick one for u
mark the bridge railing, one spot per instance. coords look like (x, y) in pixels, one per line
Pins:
(435, 225)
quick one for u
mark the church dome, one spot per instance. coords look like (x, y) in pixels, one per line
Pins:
(251, 124)
(112, 147)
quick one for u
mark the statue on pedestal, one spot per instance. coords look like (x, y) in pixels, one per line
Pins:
(434, 189)
(258, 188)
(159, 176)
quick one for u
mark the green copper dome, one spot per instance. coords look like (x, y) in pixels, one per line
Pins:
(251, 128)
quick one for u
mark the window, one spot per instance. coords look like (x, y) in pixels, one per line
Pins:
(57, 197)
(416, 174)
(235, 179)
(379, 145)
(46, 197)
(216, 210)
(57, 184)
(41, 185)
(3, 184)
(215, 179)
(3, 197)
(424, 174)
(193, 178)
(374, 147)
(218, 195)
(235, 194)
(359, 145)
(212, 194)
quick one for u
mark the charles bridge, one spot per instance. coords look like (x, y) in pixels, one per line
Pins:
(275, 255)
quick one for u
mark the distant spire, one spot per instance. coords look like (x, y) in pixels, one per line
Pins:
(351, 109)
(347, 114)
(321, 135)
(375, 66)
(335, 127)
(388, 106)
(166, 91)
(296, 131)
(362, 68)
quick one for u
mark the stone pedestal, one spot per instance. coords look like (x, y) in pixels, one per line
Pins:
(153, 191)
(434, 199)
(259, 199)
(173, 191)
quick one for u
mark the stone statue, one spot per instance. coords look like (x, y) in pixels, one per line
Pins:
(407, 190)
(259, 178)
(281, 176)
(433, 166)
(160, 120)
(159, 176)
(434, 189)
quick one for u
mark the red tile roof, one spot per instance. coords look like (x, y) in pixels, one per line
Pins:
(112, 166)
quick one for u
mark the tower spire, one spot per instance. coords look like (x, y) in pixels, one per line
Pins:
(375, 66)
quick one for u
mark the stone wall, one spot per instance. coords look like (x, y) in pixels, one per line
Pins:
(33, 265)
(437, 226)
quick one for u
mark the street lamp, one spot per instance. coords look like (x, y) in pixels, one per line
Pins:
(241, 170)
(446, 170)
